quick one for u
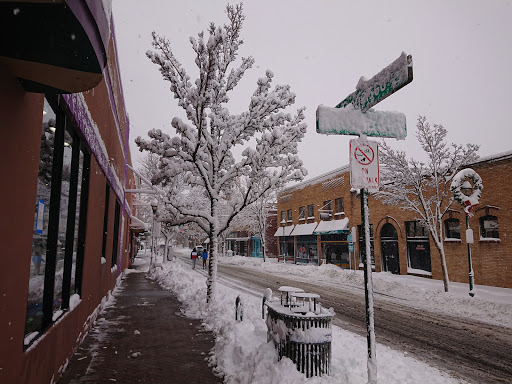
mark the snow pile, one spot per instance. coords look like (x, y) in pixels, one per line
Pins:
(242, 354)
(491, 305)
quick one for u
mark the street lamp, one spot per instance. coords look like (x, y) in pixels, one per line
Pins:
(282, 243)
(467, 189)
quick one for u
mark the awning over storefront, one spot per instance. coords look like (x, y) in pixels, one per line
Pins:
(137, 225)
(55, 46)
(284, 232)
(332, 227)
(304, 229)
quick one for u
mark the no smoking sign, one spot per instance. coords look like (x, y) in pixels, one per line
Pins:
(364, 164)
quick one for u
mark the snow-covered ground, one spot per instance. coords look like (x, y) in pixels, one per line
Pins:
(241, 351)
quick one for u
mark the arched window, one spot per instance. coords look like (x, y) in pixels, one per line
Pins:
(489, 227)
(452, 228)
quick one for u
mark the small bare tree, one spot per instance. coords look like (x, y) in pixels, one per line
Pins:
(424, 188)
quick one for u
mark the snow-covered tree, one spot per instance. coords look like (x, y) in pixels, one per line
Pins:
(424, 187)
(202, 150)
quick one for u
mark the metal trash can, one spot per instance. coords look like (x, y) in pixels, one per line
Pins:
(301, 331)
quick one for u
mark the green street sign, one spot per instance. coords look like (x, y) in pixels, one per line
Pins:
(353, 115)
(350, 121)
(392, 78)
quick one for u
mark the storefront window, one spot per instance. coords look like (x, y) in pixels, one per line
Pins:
(418, 247)
(335, 249)
(307, 249)
(42, 212)
(63, 171)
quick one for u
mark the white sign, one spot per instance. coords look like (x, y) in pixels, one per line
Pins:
(364, 164)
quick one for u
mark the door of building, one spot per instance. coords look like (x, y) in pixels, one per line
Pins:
(389, 246)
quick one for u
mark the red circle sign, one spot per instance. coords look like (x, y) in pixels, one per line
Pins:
(364, 154)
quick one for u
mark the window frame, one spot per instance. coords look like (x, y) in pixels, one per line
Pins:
(339, 206)
(302, 213)
(64, 124)
(311, 211)
(448, 231)
(115, 240)
(482, 230)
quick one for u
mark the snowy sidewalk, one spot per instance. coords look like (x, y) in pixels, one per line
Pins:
(143, 338)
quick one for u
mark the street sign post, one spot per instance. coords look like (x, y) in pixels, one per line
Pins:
(351, 119)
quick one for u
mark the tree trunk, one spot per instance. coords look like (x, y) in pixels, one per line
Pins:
(212, 265)
(440, 249)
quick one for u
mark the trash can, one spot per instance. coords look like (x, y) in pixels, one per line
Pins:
(301, 331)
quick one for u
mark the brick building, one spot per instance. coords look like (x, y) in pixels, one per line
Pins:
(66, 228)
(316, 216)
(243, 242)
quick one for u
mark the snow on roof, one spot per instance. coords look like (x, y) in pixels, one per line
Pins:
(304, 229)
(332, 227)
(317, 179)
(496, 157)
(346, 168)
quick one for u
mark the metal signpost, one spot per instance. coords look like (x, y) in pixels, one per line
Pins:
(351, 119)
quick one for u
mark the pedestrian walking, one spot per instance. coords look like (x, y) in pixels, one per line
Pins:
(193, 256)
(205, 257)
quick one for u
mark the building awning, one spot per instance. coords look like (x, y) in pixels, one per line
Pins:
(304, 229)
(284, 232)
(137, 225)
(332, 227)
(55, 46)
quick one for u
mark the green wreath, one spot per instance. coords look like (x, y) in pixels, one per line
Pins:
(458, 181)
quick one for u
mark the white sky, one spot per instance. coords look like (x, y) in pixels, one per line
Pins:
(461, 52)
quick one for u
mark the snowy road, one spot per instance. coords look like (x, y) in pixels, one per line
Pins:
(473, 350)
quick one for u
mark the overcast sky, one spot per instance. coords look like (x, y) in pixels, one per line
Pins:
(461, 52)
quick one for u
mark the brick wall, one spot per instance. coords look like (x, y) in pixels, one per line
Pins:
(492, 260)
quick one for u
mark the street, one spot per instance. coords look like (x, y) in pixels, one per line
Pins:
(468, 349)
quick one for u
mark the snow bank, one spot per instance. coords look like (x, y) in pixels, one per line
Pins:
(241, 352)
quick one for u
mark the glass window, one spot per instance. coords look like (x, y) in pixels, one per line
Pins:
(55, 269)
(489, 227)
(283, 220)
(452, 228)
(302, 213)
(105, 220)
(362, 244)
(311, 211)
(415, 229)
(326, 212)
(289, 215)
(34, 315)
(338, 205)
(418, 246)
(115, 245)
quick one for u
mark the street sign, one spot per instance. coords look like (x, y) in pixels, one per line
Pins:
(350, 121)
(392, 78)
(357, 118)
(364, 164)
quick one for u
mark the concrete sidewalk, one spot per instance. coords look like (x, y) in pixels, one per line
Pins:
(143, 338)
